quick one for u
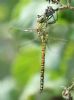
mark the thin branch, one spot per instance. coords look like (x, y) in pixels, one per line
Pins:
(67, 92)
(71, 87)
(65, 7)
(68, 6)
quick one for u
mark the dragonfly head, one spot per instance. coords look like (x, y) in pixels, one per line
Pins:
(54, 1)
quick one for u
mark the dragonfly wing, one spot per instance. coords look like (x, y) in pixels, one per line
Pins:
(31, 35)
(24, 36)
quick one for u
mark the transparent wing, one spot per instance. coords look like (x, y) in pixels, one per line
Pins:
(22, 33)
(29, 35)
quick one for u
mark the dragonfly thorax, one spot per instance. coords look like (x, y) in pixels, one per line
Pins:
(41, 19)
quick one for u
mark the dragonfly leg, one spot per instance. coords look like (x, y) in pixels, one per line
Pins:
(47, 20)
(54, 20)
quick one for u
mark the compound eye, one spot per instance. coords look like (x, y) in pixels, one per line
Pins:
(55, 1)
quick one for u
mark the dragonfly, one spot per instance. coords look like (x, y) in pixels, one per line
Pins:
(43, 22)
(42, 28)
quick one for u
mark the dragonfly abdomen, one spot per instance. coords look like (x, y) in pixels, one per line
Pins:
(42, 67)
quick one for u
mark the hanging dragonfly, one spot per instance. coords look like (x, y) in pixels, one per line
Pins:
(43, 22)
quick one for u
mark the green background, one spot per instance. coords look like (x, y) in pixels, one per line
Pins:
(20, 52)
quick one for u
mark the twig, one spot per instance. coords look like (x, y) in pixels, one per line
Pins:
(67, 92)
(68, 6)
(71, 87)
(65, 7)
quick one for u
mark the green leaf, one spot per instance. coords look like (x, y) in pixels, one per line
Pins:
(26, 64)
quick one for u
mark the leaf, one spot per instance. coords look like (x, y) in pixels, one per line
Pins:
(26, 64)
(67, 60)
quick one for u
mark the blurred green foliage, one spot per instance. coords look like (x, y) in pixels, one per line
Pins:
(28, 64)
(6, 7)
(20, 52)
